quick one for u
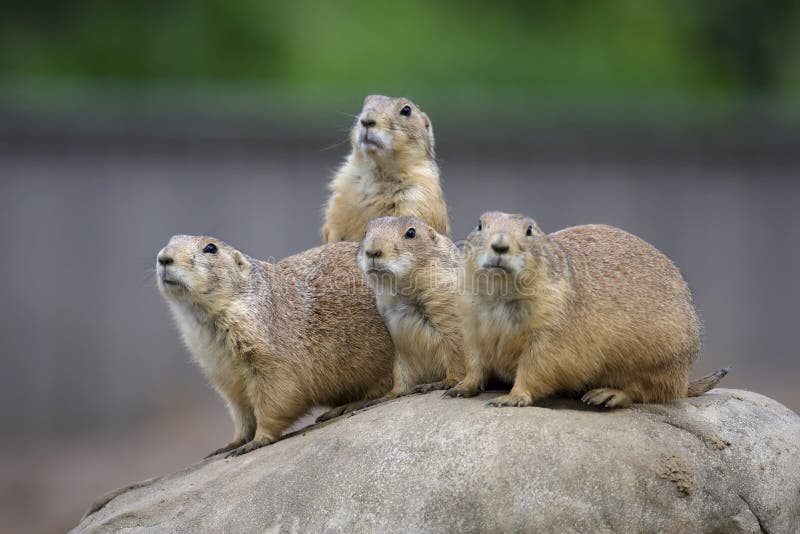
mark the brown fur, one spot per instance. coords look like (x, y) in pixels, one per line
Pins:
(416, 289)
(276, 339)
(398, 178)
(590, 310)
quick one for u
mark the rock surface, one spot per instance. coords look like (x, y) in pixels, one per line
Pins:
(728, 461)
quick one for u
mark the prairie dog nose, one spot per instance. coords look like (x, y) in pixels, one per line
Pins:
(373, 253)
(164, 258)
(500, 244)
(367, 121)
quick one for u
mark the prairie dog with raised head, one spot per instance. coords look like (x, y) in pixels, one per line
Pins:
(391, 171)
(591, 310)
(276, 339)
(414, 271)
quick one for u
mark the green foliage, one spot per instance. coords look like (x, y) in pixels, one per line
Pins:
(595, 55)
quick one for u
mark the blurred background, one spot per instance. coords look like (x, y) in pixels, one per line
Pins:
(122, 123)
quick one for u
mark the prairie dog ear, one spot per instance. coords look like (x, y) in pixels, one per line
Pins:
(434, 235)
(431, 148)
(428, 125)
(426, 121)
(242, 262)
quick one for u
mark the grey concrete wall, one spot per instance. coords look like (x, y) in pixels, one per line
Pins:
(88, 346)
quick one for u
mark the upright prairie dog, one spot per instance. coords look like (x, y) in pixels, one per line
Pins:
(391, 171)
(276, 339)
(591, 310)
(414, 271)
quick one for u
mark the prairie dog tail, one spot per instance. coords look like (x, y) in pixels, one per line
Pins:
(701, 385)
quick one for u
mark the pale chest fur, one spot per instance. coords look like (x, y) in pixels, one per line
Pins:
(378, 197)
(500, 331)
(417, 340)
(208, 349)
(371, 189)
(361, 191)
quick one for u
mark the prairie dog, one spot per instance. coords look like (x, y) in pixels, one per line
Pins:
(276, 339)
(414, 271)
(391, 171)
(591, 310)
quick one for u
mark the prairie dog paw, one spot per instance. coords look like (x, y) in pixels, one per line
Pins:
(607, 397)
(462, 390)
(512, 399)
(230, 446)
(250, 446)
(345, 409)
(425, 388)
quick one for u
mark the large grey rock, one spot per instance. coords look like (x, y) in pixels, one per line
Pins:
(725, 462)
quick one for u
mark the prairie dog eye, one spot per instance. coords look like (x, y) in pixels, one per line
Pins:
(406, 111)
(211, 248)
(480, 226)
(411, 233)
(529, 232)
